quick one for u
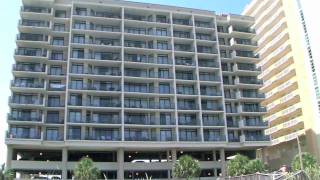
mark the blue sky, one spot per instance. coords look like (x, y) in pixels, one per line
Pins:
(9, 11)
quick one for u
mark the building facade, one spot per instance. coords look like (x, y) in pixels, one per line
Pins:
(133, 86)
(290, 72)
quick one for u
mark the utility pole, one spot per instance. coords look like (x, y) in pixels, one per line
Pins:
(300, 154)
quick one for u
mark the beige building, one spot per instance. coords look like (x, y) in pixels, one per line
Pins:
(133, 86)
(290, 76)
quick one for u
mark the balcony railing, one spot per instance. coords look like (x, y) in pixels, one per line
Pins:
(149, 90)
(213, 122)
(192, 138)
(185, 62)
(246, 67)
(24, 135)
(96, 87)
(104, 136)
(251, 95)
(214, 138)
(27, 84)
(255, 109)
(31, 52)
(188, 107)
(103, 104)
(55, 104)
(104, 14)
(183, 121)
(245, 30)
(32, 37)
(36, 9)
(212, 108)
(203, 63)
(209, 78)
(34, 23)
(142, 121)
(249, 81)
(54, 120)
(253, 123)
(15, 100)
(31, 68)
(150, 106)
(244, 54)
(24, 117)
(210, 93)
(256, 138)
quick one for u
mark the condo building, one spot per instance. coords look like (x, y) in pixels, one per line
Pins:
(133, 86)
(291, 77)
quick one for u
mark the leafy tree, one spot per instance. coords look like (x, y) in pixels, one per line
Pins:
(308, 161)
(85, 170)
(6, 174)
(313, 172)
(186, 167)
(236, 166)
(254, 166)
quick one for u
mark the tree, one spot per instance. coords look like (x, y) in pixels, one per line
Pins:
(186, 167)
(85, 170)
(6, 174)
(254, 166)
(308, 161)
(236, 166)
(313, 172)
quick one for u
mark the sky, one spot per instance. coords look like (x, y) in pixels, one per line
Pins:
(9, 11)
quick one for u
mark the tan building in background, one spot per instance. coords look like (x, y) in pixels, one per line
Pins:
(290, 78)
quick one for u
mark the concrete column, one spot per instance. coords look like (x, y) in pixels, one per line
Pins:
(9, 157)
(223, 163)
(174, 159)
(64, 163)
(120, 159)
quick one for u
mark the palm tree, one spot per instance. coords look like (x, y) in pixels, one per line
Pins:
(85, 170)
(186, 167)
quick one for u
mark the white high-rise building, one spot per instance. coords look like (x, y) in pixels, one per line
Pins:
(133, 86)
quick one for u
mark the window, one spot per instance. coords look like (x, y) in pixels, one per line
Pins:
(165, 119)
(161, 32)
(53, 117)
(58, 41)
(57, 55)
(77, 68)
(164, 103)
(164, 88)
(55, 70)
(52, 134)
(188, 135)
(80, 25)
(75, 116)
(78, 39)
(166, 135)
(60, 14)
(74, 133)
(163, 73)
(162, 45)
(162, 59)
(78, 53)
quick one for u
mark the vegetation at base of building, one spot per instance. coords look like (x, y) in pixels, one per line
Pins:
(310, 165)
(241, 165)
(6, 174)
(85, 170)
(186, 167)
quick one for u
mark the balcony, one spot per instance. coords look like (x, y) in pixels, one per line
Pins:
(20, 84)
(138, 58)
(28, 68)
(100, 41)
(143, 89)
(36, 9)
(185, 22)
(208, 107)
(140, 120)
(247, 137)
(34, 23)
(185, 62)
(139, 135)
(245, 94)
(104, 119)
(189, 136)
(56, 87)
(25, 100)
(31, 52)
(53, 137)
(188, 107)
(208, 63)
(137, 17)
(205, 37)
(32, 37)
(253, 123)
(181, 34)
(207, 50)
(214, 138)
(250, 109)
(244, 44)
(104, 14)
(246, 56)
(246, 67)
(29, 133)
(210, 93)
(183, 47)
(137, 44)
(96, 87)
(234, 139)
(53, 103)
(243, 32)
(103, 104)
(187, 121)
(209, 78)
(212, 122)
(104, 134)
(248, 81)
(203, 24)
(232, 124)
(25, 117)
(54, 120)
(184, 76)
(149, 105)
